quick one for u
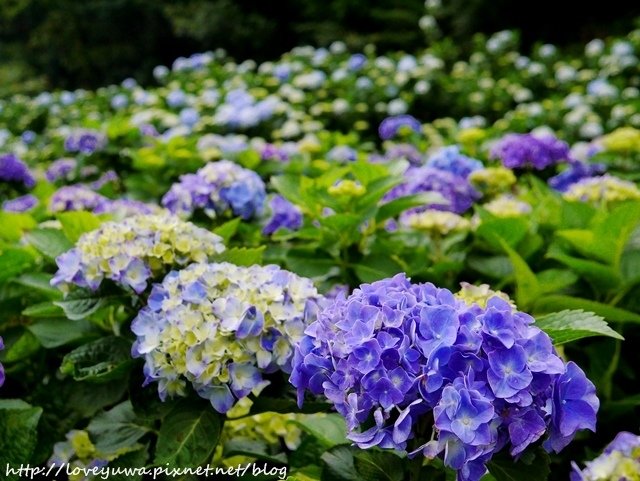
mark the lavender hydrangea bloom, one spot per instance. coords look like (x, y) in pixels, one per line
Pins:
(519, 151)
(85, 141)
(75, 197)
(390, 126)
(13, 170)
(221, 328)
(574, 173)
(456, 190)
(1, 367)
(284, 215)
(394, 352)
(218, 188)
(60, 169)
(20, 204)
(404, 151)
(451, 160)
(620, 461)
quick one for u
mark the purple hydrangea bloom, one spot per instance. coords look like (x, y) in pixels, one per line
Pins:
(218, 188)
(457, 191)
(404, 151)
(390, 126)
(574, 173)
(13, 170)
(75, 197)
(519, 151)
(60, 169)
(356, 62)
(273, 152)
(619, 461)
(28, 137)
(394, 352)
(284, 215)
(451, 160)
(85, 141)
(1, 367)
(20, 204)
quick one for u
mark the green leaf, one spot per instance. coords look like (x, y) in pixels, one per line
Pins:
(379, 465)
(496, 267)
(188, 435)
(41, 282)
(18, 433)
(558, 302)
(528, 288)
(74, 224)
(599, 275)
(54, 332)
(376, 267)
(43, 309)
(262, 404)
(612, 234)
(316, 268)
(399, 205)
(339, 465)
(289, 187)
(14, 262)
(228, 229)
(49, 242)
(505, 469)
(553, 280)
(116, 429)
(241, 256)
(23, 347)
(99, 361)
(509, 229)
(81, 303)
(329, 430)
(14, 225)
(567, 326)
(252, 448)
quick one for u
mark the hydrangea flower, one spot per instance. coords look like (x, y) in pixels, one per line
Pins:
(603, 188)
(404, 151)
(20, 204)
(13, 170)
(436, 222)
(400, 353)
(451, 160)
(480, 295)
(492, 180)
(79, 452)
(85, 141)
(623, 140)
(75, 197)
(519, 151)
(221, 327)
(457, 191)
(218, 188)
(60, 169)
(507, 206)
(620, 461)
(284, 215)
(391, 126)
(133, 252)
(574, 173)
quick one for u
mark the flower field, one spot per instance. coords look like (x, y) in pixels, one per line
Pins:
(337, 266)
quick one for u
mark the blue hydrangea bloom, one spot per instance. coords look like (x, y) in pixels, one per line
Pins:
(390, 126)
(85, 141)
(284, 215)
(75, 197)
(13, 170)
(218, 188)
(393, 352)
(458, 193)
(20, 204)
(574, 173)
(60, 169)
(519, 151)
(620, 461)
(222, 328)
(451, 160)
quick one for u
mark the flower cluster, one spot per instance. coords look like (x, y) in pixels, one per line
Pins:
(13, 170)
(602, 189)
(401, 353)
(80, 453)
(133, 252)
(492, 180)
(221, 327)
(622, 140)
(23, 203)
(75, 197)
(435, 222)
(85, 141)
(450, 159)
(620, 461)
(457, 192)
(61, 169)
(519, 151)
(392, 126)
(507, 206)
(284, 215)
(218, 188)
(574, 173)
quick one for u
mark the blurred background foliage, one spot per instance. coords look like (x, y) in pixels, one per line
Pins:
(89, 43)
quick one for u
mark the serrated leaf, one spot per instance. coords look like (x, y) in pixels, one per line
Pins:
(188, 435)
(81, 303)
(558, 302)
(228, 229)
(379, 465)
(99, 361)
(374, 268)
(18, 433)
(76, 223)
(339, 465)
(49, 242)
(567, 326)
(40, 282)
(329, 430)
(57, 332)
(116, 429)
(241, 256)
